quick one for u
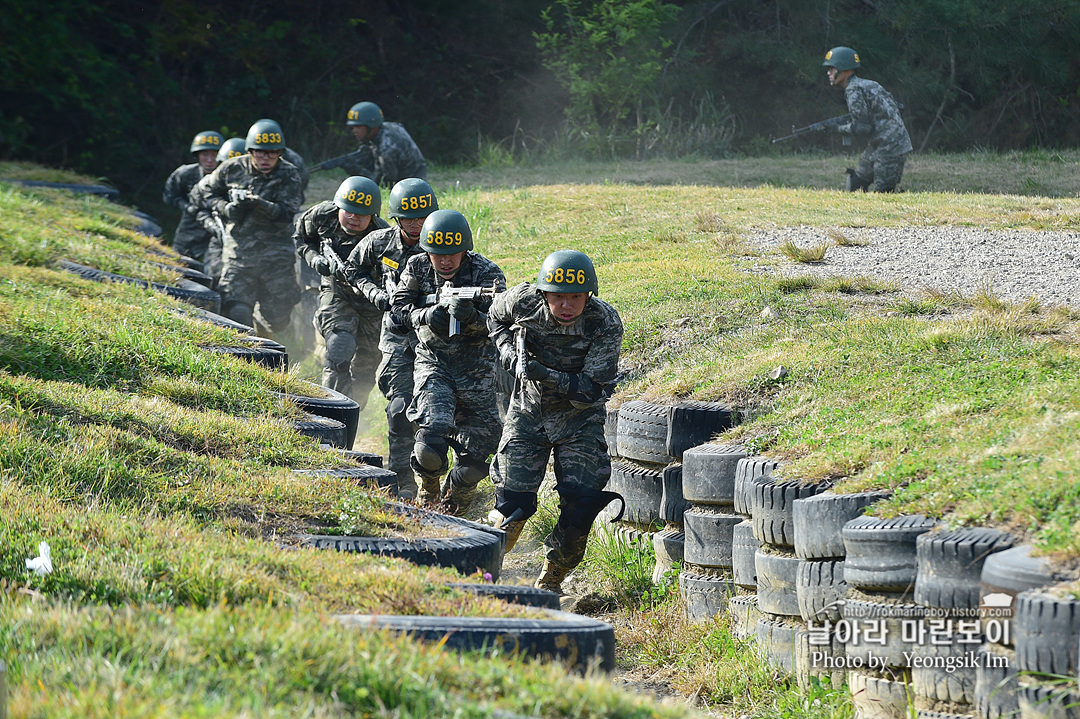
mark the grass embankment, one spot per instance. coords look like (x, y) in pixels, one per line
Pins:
(161, 476)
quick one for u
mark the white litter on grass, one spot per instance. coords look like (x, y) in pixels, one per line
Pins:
(42, 564)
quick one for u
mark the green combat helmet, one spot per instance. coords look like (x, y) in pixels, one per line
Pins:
(567, 271)
(358, 195)
(842, 58)
(265, 135)
(365, 113)
(233, 147)
(412, 198)
(207, 140)
(446, 232)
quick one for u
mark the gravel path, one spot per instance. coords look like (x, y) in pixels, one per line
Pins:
(1015, 263)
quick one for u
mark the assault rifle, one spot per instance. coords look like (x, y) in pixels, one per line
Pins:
(338, 269)
(338, 161)
(448, 292)
(819, 127)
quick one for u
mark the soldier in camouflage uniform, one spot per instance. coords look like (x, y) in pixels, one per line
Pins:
(214, 226)
(256, 196)
(875, 113)
(562, 344)
(191, 238)
(377, 264)
(387, 152)
(454, 376)
(347, 321)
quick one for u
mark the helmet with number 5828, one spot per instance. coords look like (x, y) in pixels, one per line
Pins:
(265, 135)
(446, 232)
(412, 198)
(569, 272)
(358, 195)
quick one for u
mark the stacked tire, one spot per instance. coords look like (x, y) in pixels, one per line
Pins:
(744, 546)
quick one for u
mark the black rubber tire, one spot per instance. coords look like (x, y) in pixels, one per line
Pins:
(996, 683)
(704, 597)
(220, 320)
(934, 684)
(771, 506)
(185, 290)
(101, 190)
(361, 457)
(672, 503)
(747, 470)
(744, 616)
(268, 358)
(744, 547)
(325, 402)
(364, 475)
(825, 661)
(148, 225)
(776, 642)
(1047, 700)
(776, 575)
(709, 473)
(708, 536)
(580, 642)
(1046, 633)
(819, 521)
(877, 697)
(642, 432)
(949, 565)
(513, 593)
(819, 587)
(880, 553)
(892, 652)
(611, 431)
(692, 423)
(322, 429)
(255, 341)
(1013, 571)
(668, 545)
(478, 548)
(641, 487)
(928, 714)
(200, 278)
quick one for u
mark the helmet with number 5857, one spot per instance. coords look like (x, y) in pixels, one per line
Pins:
(567, 271)
(358, 195)
(412, 198)
(446, 232)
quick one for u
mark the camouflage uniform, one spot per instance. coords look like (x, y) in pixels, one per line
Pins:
(874, 112)
(346, 320)
(257, 255)
(293, 157)
(563, 414)
(453, 378)
(377, 263)
(191, 238)
(390, 157)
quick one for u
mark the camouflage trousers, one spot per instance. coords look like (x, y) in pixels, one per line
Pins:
(191, 238)
(270, 285)
(395, 379)
(880, 174)
(352, 346)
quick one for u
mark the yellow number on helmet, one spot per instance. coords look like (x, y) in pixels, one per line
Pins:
(581, 277)
(559, 275)
(547, 277)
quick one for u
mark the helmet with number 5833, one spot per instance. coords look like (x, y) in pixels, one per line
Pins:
(569, 272)
(446, 232)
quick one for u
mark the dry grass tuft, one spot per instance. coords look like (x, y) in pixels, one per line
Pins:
(815, 253)
(840, 239)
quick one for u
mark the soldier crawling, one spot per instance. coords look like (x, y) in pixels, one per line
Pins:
(453, 400)
(387, 153)
(874, 112)
(562, 343)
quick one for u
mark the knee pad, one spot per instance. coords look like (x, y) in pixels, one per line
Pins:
(507, 502)
(429, 453)
(240, 312)
(397, 422)
(468, 472)
(340, 348)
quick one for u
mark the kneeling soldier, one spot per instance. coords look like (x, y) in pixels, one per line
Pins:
(562, 343)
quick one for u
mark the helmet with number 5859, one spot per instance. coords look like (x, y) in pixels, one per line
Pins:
(567, 271)
(446, 232)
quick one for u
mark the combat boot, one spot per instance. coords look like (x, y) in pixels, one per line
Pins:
(513, 531)
(552, 576)
(430, 490)
(459, 498)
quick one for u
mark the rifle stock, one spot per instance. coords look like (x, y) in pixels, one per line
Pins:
(815, 127)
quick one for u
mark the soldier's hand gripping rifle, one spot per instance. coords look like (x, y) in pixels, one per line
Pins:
(339, 271)
(819, 127)
(447, 293)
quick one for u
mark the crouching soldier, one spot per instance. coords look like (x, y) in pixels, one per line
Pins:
(562, 344)
(453, 400)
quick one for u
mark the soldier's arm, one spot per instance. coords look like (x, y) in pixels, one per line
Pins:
(861, 116)
(306, 238)
(286, 202)
(211, 193)
(407, 299)
(361, 268)
(173, 192)
(500, 320)
(592, 384)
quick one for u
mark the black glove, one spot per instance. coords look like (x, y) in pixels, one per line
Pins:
(437, 318)
(463, 309)
(395, 325)
(321, 265)
(508, 360)
(381, 300)
(232, 211)
(266, 208)
(536, 371)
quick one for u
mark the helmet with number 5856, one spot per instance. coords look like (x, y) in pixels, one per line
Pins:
(567, 271)
(358, 195)
(446, 232)
(412, 198)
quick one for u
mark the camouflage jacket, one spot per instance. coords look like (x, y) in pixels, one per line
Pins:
(874, 112)
(376, 264)
(389, 158)
(419, 280)
(319, 223)
(294, 158)
(584, 356)
(259, 235)
(189, 231)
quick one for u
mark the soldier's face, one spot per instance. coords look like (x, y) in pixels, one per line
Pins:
(410, 229)
(839, 78)
(207, 160)
(566, 306)
(264, 160)
(446, 265)
(352, 223)
(363, 133)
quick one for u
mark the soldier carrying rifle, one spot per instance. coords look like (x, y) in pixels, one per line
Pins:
(387, 154)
